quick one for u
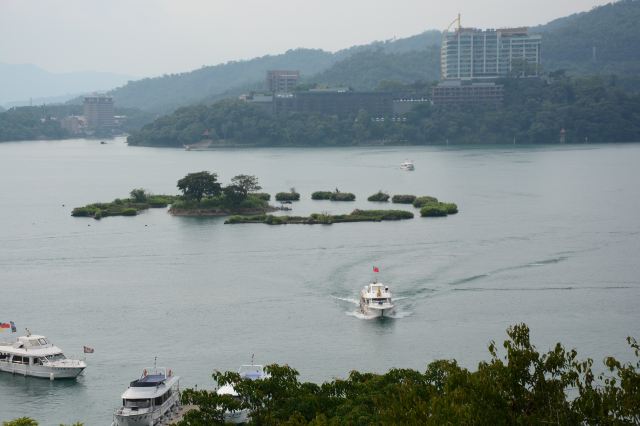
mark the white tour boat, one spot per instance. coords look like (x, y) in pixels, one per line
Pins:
(250, 372)
(407, 165)
(152, 400)
(375, 300)
(34, 355)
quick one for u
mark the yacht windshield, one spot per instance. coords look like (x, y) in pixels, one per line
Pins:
(56, 357)
(136, 403)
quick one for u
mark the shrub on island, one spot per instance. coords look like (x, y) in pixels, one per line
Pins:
(321, 195)
(333, 196)
(342, 196)
(221, 204)
(263, 196)
(324, 218)
(423, 201)
(452, 208)
(433, 210)
(403, 199)
(438, 209)
(288, 196)
(379, 197)
(382, 214)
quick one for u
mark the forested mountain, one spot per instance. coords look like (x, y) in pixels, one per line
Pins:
(567, 44)
(211, 83)
(365, 70)
(589, 109)
(171, 91)
(611, 29)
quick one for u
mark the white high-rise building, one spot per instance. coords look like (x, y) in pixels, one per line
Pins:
(472, 54)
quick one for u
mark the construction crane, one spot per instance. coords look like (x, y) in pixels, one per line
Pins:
(444, 36)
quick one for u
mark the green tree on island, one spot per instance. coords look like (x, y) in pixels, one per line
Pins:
(200, 184)
(139, 195)
(246, 184)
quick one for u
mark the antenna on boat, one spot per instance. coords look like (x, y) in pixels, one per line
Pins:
(252, 355)
(155, 362)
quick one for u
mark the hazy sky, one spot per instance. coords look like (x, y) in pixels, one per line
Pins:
(151, 37)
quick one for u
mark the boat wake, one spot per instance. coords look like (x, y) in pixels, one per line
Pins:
(347, 299)
(398, 314)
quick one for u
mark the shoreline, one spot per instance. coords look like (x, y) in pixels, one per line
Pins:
(219, 213)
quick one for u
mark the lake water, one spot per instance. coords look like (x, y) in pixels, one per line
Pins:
(546, 235)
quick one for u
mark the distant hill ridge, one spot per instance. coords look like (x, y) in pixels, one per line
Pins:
(19, 82)
(567, 43)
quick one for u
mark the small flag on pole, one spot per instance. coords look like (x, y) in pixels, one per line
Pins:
(87, 350)
(376, 269)
(4, 326)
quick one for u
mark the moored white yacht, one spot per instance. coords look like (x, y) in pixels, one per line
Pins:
(250, 372)
(407, 165)
(152, 400)
(34, 355)
(375, 300)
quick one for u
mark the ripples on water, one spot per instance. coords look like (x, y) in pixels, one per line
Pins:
(545, 235)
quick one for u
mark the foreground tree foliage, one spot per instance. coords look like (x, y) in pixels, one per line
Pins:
(27, 421)
(523, 386)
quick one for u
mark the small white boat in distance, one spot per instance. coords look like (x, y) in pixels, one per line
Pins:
(34, 355)
(250, 372)
(407, 165)
(152, 400)
(375, 300)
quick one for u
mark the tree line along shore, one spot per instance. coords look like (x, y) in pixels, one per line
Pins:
(556, 109)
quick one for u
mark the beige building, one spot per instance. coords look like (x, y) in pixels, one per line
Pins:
(98, 112)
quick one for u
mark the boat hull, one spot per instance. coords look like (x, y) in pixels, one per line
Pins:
(378, 313)
(159, 415)
(134, 420)
(236, 417)
(41, 371)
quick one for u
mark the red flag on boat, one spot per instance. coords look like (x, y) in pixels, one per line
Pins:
(87, 350)
(376, 269)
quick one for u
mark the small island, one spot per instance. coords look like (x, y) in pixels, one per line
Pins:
(333, 196)
(379, 197)
(403, 199)
(287, 197)
(431, 207)
(324, 218)
(139, 200)
(202, 195)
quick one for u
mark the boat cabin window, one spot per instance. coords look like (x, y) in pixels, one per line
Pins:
(20, 360)
(43, 341)
(34, 342)
(161, 399)
(136, 403)
(4, 357)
